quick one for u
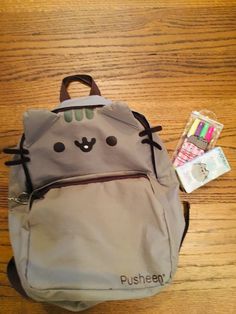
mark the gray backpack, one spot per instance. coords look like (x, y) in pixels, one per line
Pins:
(94, 211)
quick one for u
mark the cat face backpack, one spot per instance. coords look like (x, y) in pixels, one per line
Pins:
(94, 211)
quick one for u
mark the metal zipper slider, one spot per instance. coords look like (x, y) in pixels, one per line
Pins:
(22, 199)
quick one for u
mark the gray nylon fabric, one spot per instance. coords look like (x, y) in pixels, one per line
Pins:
(106, 228)
(85, 101)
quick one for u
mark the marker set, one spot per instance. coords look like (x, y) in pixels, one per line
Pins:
(201, 129)
(199, 136)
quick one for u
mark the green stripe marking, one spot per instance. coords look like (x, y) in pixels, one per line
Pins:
(78, 114)
(89, 113)
(68, 116)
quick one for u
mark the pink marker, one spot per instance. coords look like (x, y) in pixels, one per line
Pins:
(209, 134)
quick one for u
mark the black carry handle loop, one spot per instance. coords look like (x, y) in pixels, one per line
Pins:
(82, 78)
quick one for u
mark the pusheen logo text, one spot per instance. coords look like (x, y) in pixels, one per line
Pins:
(142, 279)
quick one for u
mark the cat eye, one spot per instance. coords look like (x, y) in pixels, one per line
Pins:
(111, 140)
(59, 147)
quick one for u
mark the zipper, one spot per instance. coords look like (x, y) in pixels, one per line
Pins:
(39, 193)
(62, 109)
(21, 199)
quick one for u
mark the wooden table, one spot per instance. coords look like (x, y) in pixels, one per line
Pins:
(165, 59)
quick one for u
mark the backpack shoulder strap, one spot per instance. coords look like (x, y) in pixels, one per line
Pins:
(186, 210)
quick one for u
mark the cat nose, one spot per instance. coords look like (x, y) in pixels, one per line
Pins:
(86, 146)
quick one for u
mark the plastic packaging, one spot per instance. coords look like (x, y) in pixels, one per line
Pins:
(200, 135)
(203, 169)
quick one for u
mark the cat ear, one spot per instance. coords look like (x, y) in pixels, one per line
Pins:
(121, 112)
(36, 122)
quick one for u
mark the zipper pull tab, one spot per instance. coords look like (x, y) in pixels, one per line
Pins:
(22, 199)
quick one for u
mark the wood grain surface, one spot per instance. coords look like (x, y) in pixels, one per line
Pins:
(165, 59)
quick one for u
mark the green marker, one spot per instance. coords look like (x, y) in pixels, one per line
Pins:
(204, 130)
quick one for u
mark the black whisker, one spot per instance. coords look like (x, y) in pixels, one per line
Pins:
(15, 151)
(151, 142)
(150, 130)
(17, 162)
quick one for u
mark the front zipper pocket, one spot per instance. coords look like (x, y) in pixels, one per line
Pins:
(97, 233)
(39, 193)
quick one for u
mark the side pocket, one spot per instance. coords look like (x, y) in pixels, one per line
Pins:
(169, 198)
(19, 234)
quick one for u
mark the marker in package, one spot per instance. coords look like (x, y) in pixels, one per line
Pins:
(200, 135)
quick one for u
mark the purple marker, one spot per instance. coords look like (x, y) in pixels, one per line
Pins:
(199, 128)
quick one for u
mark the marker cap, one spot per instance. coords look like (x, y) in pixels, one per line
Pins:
(209, 134)
(199, 128)
(193, 127)
(204, 130)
